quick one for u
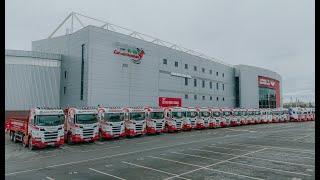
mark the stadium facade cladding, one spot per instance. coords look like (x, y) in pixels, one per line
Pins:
(100, 66)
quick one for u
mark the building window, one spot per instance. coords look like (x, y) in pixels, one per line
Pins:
(195, 68)
(195, 82)
(210, 98)
(217, 85)
(210, 85)
(65, 74)
(186, 81)
(186, 96)
(217, 98)
(203, 70)
(164, 61)
(64, 90)
(210, 71)
(267, 98)
(176, 64)
(203, 98)
(217, 73)
(195, 97)
(222, 74)
(203, 83)
(223, 87)
(222, 99)
(186, 66)
(82, 71)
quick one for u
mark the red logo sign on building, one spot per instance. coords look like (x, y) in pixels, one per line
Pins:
(169, 102)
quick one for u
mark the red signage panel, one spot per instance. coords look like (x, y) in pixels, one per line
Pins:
(170, 102)
(270, 83)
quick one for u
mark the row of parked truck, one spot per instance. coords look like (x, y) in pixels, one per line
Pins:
(54, 126)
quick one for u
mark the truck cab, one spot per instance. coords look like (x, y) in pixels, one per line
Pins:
(269, 115)
(186, 121)
(191, 116)
(263, 116)
(238, 118)
(216, 117)
(257, 116)
(205, 118)
(43, 127)
(135, 121)
(174, 117)
(111, 122)
(251, 116)
(226, 115)
(295, 114)
(275, 115)
(81, 124)
(286, 114)
(155, 120)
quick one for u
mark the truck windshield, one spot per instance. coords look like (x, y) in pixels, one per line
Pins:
(205, 114)
(192, 114)
(237, 113)
(138, 116)
(226, 113)
(216, 114)
(113, 117)
(244, 113)
(156, 115)
(177, 115)
(305, 112)
(86, 118)
(251, 113)
(257, 112)
(49, 120)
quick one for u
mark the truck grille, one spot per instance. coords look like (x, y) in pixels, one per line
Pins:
(159, 126)
(116, 130)
(227, 121)
(178, 124)
(50, 136)
(206, 123)
(87, 133)
(139, 127)
(217, 122)
(193, 123)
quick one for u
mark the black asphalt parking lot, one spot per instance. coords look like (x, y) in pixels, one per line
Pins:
(264, 151)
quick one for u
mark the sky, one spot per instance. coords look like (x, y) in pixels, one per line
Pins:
(278, 35)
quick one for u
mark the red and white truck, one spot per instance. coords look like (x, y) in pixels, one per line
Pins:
(174, 118)
(216, 118)
(295, 114)
(81, 124)
(155, 120)
(240, 116)
(257, 116)
(205, 116)
(111, 122)
(187, 126)
(269, 115)
(43, 127)
(191, 116)
(226, 116)
(251, 115)
(276, 115)
(263, 116)
(135, 121)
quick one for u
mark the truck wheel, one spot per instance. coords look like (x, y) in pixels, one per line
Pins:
(100, 136)
(24, 144)
(14, 138)
(11, 135)
(69, 139)
(31, 147)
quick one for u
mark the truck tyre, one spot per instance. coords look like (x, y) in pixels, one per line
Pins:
(100, 136)
(31, 147)
(11, 135)
(14, 138)
(69, 139)
(24, 144)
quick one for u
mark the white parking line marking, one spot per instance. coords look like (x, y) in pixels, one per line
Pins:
(49, 178)
(106, 174)
(220, 163)
(241, 130)
(254, 157)
(154, 169)
(273, 147)
(243, 164)
(226, 148)
(148, 142)
(121, 154)
(303, 137)
(99, 149)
